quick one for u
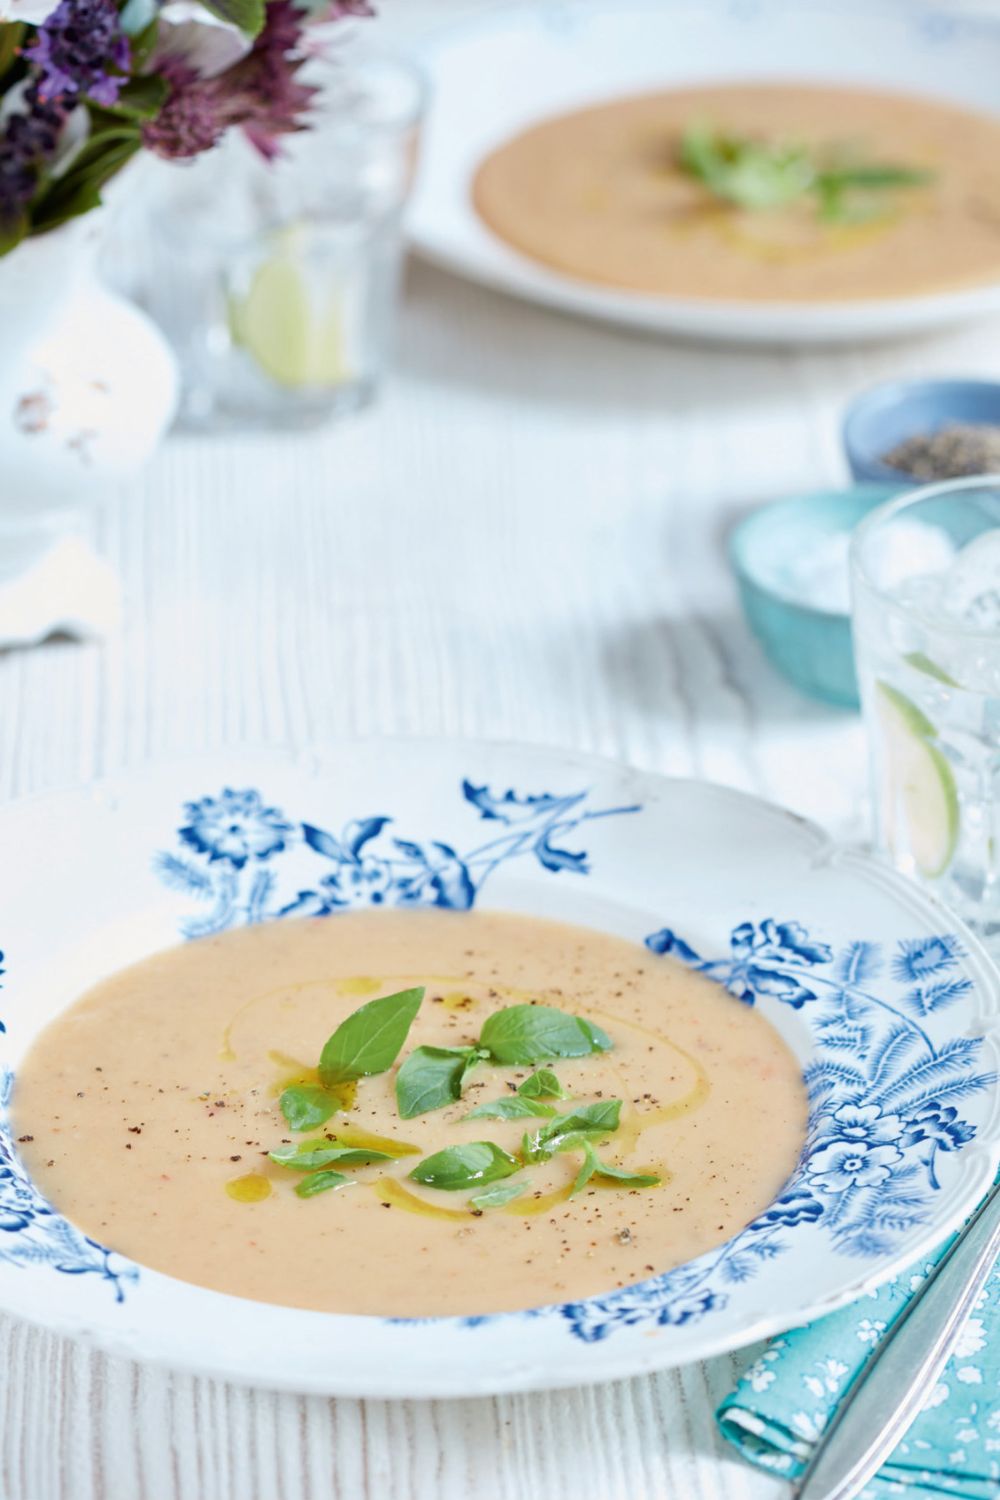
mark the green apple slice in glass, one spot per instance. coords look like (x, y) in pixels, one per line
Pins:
(921, 778)
(279, 324)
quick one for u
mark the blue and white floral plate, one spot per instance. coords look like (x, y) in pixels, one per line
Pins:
(892, 1008)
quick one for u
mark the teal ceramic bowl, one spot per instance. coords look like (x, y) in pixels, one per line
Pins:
(790, 561)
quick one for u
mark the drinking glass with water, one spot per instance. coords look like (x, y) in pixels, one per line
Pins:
(926, 611)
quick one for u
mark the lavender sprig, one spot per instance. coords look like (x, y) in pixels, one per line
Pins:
(81, 51)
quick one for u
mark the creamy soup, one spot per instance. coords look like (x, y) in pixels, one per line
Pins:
(599, 195)
(147, 1111)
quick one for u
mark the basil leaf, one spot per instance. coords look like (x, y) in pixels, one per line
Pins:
(305, 1105)
(432, 1077)
(496, 1197)
(875, 176)
(757, 174)
(542, 1085)
(369, 1041)
(322, 1182)
(307, 1156)
(537, 1033)
(619, 1174)
(752, 174)
(594, 1167)
(459, 1167)
(512, 1108)
(586, 1172)
(568, 1132)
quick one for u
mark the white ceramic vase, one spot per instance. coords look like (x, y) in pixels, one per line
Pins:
(88, 386)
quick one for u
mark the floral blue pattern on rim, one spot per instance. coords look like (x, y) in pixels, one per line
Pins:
(884, 1099)
(235, 834)
(883, 1104)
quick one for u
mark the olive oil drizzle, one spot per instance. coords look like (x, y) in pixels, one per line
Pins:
(363, 1140)
(250, 1187)
(392, 1193)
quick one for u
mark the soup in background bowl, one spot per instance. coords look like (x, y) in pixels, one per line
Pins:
(617, 194)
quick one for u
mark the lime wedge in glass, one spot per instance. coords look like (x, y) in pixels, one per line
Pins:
(277, 323)
(921, 662)
(921, 778)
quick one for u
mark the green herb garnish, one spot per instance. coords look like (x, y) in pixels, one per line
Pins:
(542, 1085)
(458, 1167)
(370, 1040)
(307, 1156)
(512, 1108)
(569, 1132)
(526, 1034)
(306, 1105)
(432, 1077)
(322, 1182)
(501, 1193)
(594, 1167)
(755, 174)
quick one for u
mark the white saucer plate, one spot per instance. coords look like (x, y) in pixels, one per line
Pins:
(893, 1010)
(496, 74)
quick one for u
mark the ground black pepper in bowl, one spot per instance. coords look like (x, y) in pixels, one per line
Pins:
(952, 452)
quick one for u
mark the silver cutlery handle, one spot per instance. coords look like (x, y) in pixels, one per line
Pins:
(891, 1387)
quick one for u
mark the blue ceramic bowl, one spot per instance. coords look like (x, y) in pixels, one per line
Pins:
(889, 414)
(809, 643)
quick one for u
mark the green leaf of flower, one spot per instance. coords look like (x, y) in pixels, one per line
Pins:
(322, 1182)
(369, 1041)
(496, 1197)
(306, 1105)
(432, 1077)
(458, 1167)
(307, 1156)
(521, 1034)
(512, 1108)
(247, 15)
(542, 1085)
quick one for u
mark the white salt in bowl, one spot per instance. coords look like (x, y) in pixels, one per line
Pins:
(791, 563)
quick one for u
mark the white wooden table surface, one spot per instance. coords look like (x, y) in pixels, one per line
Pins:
(524, 539)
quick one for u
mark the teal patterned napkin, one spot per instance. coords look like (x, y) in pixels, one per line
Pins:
(786, 1397)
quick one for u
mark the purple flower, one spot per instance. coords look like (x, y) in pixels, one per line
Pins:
(260, 92)
(29, 139)
(191, 120)
(81, 50)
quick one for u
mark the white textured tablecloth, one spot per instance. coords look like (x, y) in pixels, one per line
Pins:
(523, 539)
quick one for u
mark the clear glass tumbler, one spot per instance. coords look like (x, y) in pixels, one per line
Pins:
(277, 282)
(926, 611)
